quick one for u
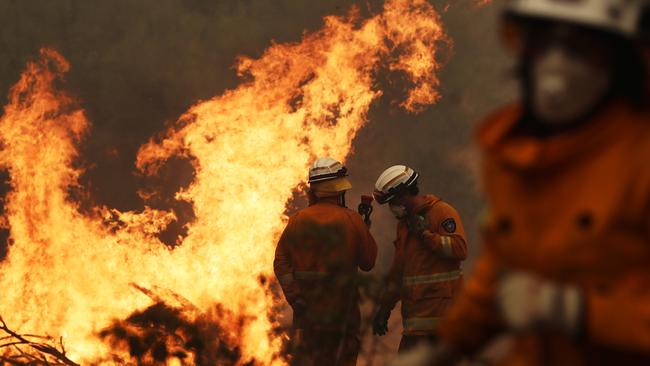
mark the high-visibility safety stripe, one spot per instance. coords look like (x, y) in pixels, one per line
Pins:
(309, 275)
(286, 279)
(414, 324)
(432, 278)
(446, 245)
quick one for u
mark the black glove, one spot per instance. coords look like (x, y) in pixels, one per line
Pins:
(380, 322)
(417, 225)
(365, 210)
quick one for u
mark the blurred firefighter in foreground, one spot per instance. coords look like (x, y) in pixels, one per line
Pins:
(429, 248)
(316, 262)
(566, 264)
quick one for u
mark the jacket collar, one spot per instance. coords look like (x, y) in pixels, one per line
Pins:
(498, 138)
(327, 201)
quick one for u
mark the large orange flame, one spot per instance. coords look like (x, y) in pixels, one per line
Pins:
(70, 274)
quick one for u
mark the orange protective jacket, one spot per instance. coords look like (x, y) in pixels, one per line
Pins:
(575, 209)
(317, 259)
(426, 273)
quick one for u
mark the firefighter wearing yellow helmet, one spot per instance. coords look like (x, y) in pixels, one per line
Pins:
(328, 178)
(430, 246)
(316, 261)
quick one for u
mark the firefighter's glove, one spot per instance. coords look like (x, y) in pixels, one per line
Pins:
(529, 302)
(417, 225)
(380, 322)
(365, 209)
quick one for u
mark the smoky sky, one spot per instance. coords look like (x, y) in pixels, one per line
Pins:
(138, 65)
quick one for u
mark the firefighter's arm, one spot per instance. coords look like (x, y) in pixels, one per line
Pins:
(392, 291)
(367, 244)
(283, 267)
(474, 318)
(446, 234)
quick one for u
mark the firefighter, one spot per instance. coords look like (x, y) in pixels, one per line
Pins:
(429, 249)
(565, 267)
(316, 261)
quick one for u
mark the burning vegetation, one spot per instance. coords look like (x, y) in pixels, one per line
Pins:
(162, 334)
(104, 284)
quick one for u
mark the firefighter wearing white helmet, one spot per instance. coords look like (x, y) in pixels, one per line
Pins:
(574, 55)
(392, 180)
(316, 259)
(564, 266)
(328, 178)
(622, 17)
(429, 249)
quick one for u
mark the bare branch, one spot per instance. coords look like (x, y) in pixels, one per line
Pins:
(36, 353)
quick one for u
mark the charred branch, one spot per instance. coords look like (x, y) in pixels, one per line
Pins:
(28, 349)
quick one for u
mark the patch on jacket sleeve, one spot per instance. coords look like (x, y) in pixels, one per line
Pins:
(449, 225)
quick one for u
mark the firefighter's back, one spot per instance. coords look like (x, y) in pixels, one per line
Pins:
(327, 246)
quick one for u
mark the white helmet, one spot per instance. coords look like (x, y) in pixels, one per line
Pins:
(616, 16)
(392, 180)
(328, 178)
(325, 169)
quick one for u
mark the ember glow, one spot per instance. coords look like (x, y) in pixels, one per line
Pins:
(73, 275)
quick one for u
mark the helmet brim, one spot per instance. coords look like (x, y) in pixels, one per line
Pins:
(382, 197)
(332, 187)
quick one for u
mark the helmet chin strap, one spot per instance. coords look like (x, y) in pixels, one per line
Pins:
(342, 200)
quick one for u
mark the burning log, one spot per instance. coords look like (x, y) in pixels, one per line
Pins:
(29, 349)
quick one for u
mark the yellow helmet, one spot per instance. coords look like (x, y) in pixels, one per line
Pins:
(328, 177)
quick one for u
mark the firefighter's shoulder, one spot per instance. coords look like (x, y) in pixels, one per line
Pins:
(354, 216)
(497, 125)
(444, 209)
